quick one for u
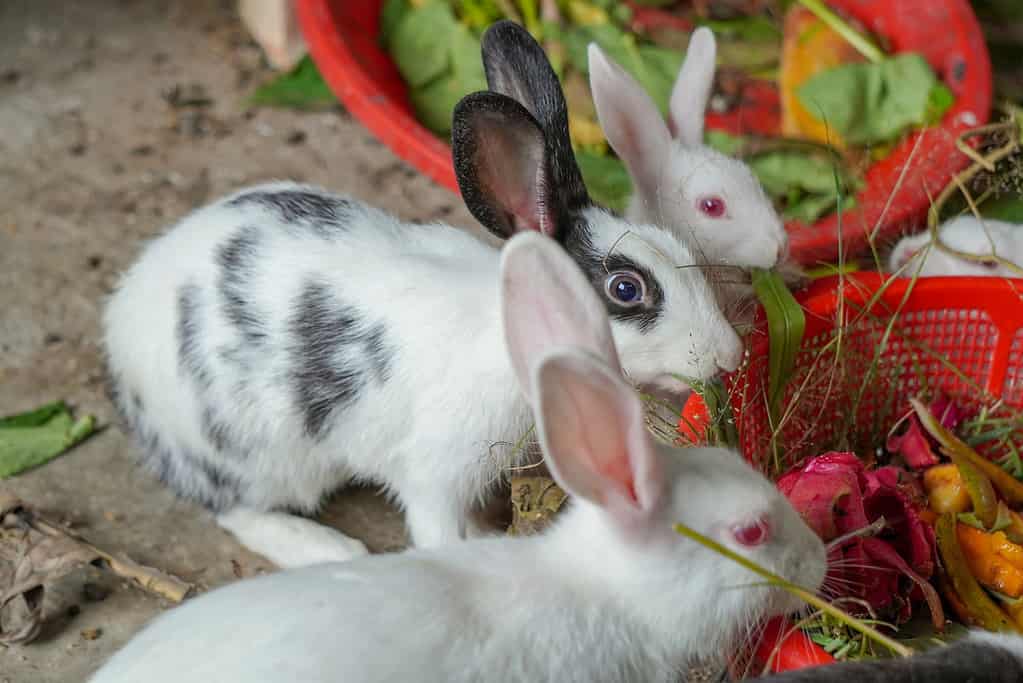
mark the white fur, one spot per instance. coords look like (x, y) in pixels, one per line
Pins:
(967, 234)
(671, 174)
(610, 593)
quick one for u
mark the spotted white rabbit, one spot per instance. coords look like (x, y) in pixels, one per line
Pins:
(609, 593)
(284, 341)
(967, 234)
(680, 183)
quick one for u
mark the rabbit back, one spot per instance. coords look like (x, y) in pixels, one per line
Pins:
(252, 334)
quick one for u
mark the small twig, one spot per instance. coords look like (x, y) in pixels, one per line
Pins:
(147, 578)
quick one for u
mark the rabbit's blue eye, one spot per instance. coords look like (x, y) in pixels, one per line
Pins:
(625, 288)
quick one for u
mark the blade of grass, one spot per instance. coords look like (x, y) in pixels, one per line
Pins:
(864, 45)
(786, 323)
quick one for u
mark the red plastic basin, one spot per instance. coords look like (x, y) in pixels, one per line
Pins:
(342, 40)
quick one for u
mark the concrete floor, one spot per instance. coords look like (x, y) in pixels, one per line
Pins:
(93, 161)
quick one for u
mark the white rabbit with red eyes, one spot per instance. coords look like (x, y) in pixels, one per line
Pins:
(609, 593)
(680, 183)
(981, 237)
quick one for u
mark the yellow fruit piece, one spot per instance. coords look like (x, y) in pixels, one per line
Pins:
(808, 47)
(986, 563)
(585, 132)
(945, 489)
(1006, 549)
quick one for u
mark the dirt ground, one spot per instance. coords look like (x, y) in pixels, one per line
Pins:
(98, 154)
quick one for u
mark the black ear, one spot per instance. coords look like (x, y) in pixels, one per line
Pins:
(517, 66)
(502, 166)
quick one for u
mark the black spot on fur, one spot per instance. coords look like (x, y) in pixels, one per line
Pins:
(335, 353)
(327, 215)
(237, 260)
(192, 364)
(598, 266)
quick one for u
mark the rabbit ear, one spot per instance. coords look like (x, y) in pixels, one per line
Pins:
(502, 166)
(593, 435)
(517, 66)
(547, 301)
(689, 96)
(630, 121)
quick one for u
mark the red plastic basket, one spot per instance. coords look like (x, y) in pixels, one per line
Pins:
(342, 40)
(961, 335)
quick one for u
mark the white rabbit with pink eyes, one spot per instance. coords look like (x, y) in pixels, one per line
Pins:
(969, 234)
(610, 592)
(680, 183)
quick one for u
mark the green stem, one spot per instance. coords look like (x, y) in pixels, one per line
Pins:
(801, 593)
(859, 41)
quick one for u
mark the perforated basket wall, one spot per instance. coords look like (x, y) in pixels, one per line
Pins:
(866, 350)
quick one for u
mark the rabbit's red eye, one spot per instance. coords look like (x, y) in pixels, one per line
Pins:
(990, 264)
(712, 206)
(757, 533)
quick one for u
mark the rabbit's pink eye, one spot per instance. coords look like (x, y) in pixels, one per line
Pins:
(757, 533)
(712, 206)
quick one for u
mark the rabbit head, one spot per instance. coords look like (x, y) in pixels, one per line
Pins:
(517, 173)
(681, 184)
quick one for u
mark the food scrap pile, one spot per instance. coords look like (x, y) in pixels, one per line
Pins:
(843, 101)
(936, 520)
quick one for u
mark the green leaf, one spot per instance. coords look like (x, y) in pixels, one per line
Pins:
(781, 171)
(726, 143)
(1004, 209)
(33, 438)
(938, 102)
(421, 42)
(785, 325)
(34, 418)
(439, 58)
(1001, 522)
(391, 14)
(301, 88)
(810, 207)
(655, 68)
(606, 179)
(869, 103)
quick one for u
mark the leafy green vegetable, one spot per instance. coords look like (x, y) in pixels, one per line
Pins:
(868, 103)
(785, 325)
(655, 68)
(606, 179)
(33, 438)
(300, 88)
(420, 43)
(438, 57)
